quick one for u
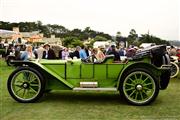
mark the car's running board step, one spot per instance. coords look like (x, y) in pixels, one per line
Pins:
(95, 89)
(88, 84)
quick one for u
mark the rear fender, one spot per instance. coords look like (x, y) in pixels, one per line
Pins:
(147, 66)
(10, 56)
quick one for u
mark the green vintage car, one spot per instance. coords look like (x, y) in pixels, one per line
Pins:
(138, 79)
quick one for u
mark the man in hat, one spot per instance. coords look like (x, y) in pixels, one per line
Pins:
(48, 52)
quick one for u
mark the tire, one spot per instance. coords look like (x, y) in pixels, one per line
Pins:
(9, 61)
(174, 69)
(26, 85)
(139, 86)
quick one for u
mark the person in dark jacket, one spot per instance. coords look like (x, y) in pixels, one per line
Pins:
(115, 53)
(76, 52)
(60, 54)
(87, 50)
(48, 53)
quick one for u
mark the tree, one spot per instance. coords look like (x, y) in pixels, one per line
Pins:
(100, 38)
(77, 42)
(146, 38)
(118, 36)
(71, 42)
(132, 37)
(89, 33)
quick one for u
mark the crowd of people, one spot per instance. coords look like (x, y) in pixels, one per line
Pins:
(80, 52)
(174, 52)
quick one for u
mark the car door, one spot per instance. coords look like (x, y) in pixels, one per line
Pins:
(73, 70)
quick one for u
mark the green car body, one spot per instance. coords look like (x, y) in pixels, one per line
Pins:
(138, 79)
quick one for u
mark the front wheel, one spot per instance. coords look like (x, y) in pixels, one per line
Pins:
(26, 84)
(174, 69)
(139, 86)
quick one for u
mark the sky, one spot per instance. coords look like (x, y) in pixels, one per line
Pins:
(160, 17)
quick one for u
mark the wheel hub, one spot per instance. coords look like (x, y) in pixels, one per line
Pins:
(25, 85)
(139, 87)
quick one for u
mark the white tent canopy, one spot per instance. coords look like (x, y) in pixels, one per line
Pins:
(7, 33)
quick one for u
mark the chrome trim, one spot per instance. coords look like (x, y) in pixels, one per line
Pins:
(95, 89)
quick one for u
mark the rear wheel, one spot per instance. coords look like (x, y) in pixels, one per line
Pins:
(139, 86)
(26, 84)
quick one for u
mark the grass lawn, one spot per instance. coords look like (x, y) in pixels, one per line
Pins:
(68, 105)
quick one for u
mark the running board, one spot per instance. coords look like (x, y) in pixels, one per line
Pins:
(95, 89)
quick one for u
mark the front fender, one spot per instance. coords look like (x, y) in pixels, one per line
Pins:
(47, 73)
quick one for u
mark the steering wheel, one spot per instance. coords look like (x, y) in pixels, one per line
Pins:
(90, 59)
